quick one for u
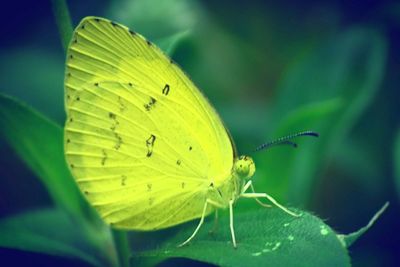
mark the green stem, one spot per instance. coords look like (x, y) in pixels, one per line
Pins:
(122, 247)
(63, 20)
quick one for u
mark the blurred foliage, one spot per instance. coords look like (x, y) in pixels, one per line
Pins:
(54, 232)
(270, 69)
(38, 142)
(348, 69)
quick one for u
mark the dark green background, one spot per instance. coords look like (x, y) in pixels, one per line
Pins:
(269, 69)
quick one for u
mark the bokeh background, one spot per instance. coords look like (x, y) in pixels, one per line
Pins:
(270, 69)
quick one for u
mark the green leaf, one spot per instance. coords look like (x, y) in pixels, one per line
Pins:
(169, 44)
(41, 85)
(39, 143)
(350, 68)
(54, 232)
(268, 237)
(61, 13)
(396, 162)
(156, 19)
(349, 239)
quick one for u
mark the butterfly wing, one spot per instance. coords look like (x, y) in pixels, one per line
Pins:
(141, 140)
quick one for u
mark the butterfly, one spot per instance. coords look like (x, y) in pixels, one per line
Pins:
(144, 145)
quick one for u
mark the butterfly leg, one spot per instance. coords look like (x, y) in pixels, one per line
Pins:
(208, 202)
(231, 223)
(265, 195)
(250, 184)
(215, 227)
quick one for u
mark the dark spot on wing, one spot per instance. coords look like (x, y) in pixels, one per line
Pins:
(83, 27)
(68, 141)
(71, 56)
(211, 184)
(113, 126)
(86, 192)
(148, 42)
(123, 180)
(151, 200)
(190, 148)
(132, 33)
(178, 162)
(165, 91)
(96, 84)
(103, 160)
(119, 141)
(71, 120)
(149, 186)
(112, 116)
(97, 20)
(150, 145)
(130, 84)
(72, 166)
(122, 106)
(78, 98)
(114, 24)
(183, 185)
(151, 104)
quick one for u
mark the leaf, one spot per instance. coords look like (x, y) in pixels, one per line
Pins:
(349, 239)
(42, 83)
(267, 237)
(54, 232)
(156, 19)
(39, 143)
(348, 67)
(169, 44)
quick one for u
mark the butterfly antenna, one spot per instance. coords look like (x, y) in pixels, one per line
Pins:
(285, 140)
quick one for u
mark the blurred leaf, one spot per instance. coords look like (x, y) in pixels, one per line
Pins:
(169, 44)
(396, 162)
(54, 232)
(156, 19)
(41, 85)
(268, 237)
(63, 20)
(39, 142)
(121, 243)
(357, 160)
(349, 67)
(349, 239)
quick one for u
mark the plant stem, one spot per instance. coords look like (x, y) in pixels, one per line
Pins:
(63, 20)
(122, 247)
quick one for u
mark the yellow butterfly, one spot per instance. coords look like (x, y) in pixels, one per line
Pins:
(143, 143)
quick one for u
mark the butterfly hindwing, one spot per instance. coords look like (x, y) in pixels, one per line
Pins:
(142, 142)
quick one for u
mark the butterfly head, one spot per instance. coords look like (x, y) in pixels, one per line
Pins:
(244, 167)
